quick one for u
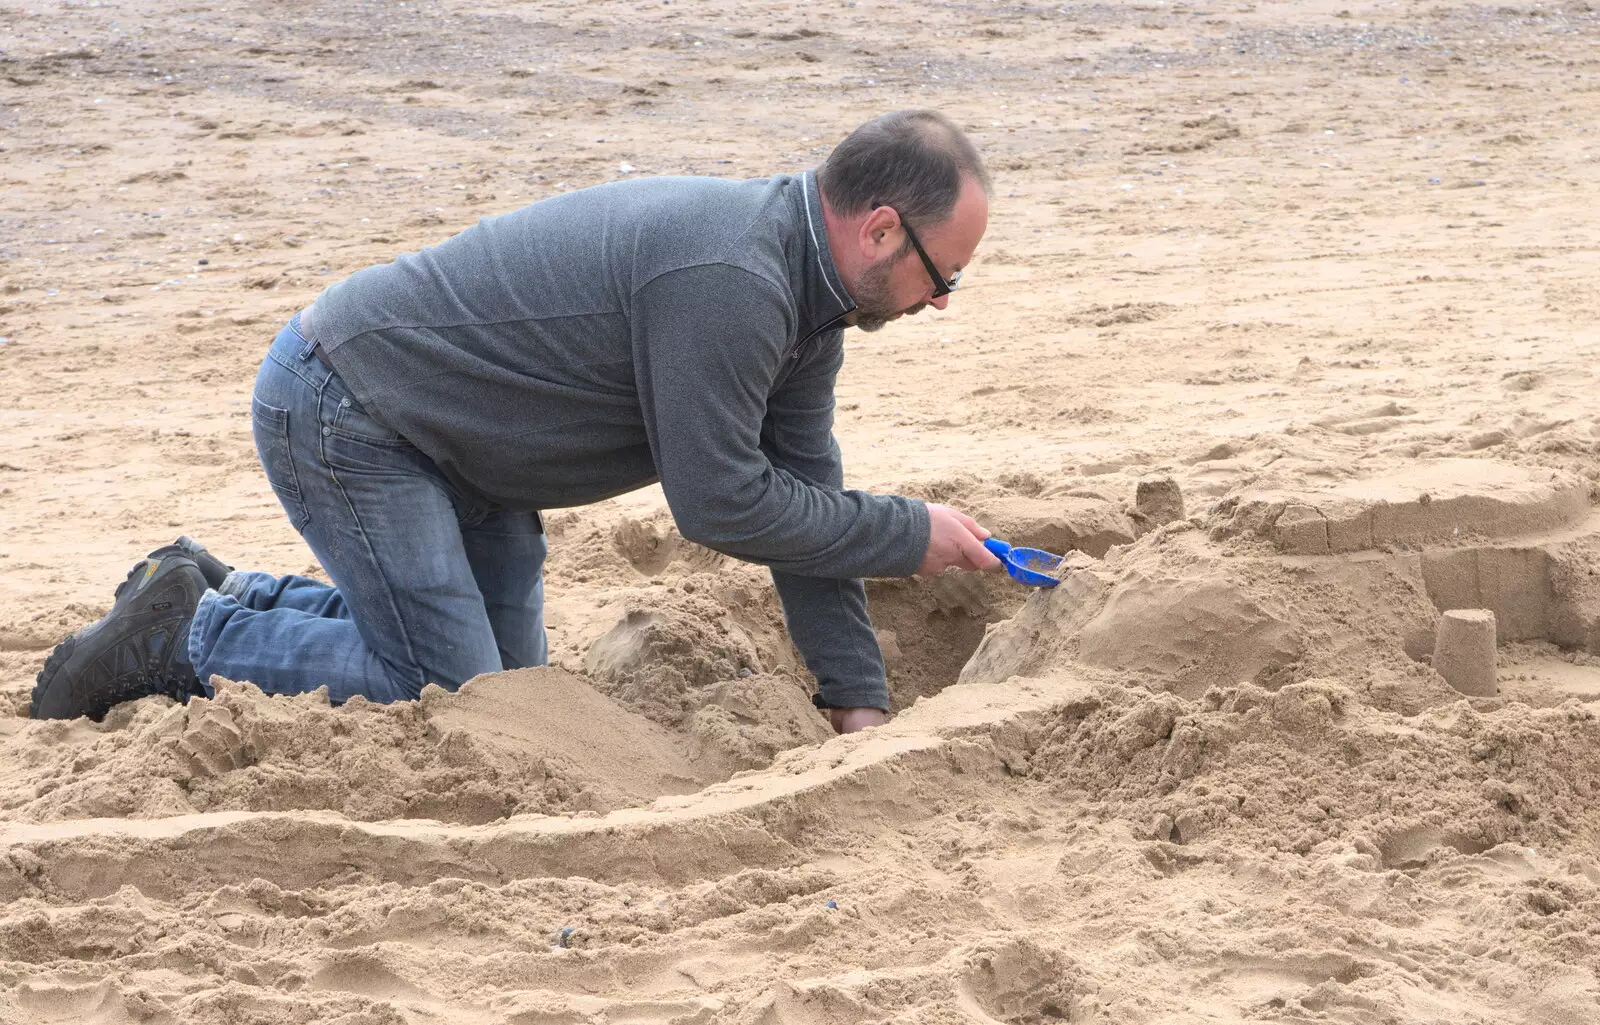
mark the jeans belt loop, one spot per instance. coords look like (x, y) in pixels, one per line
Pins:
(307, 333)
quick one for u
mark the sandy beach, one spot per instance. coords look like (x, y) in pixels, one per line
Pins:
(1284, 326)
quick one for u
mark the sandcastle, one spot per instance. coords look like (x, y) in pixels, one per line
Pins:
(1464, 653)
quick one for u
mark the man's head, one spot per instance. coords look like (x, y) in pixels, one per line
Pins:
(899, 182)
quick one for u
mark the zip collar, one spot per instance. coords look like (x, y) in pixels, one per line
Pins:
(823, 298)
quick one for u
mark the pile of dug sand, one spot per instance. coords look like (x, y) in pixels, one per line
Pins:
(532, 741)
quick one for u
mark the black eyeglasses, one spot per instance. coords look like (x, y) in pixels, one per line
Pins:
(940, 285)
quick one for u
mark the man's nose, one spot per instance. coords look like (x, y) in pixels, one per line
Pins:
(940, 303)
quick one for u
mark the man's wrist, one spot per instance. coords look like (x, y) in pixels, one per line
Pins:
(853, 720)
(876, 697)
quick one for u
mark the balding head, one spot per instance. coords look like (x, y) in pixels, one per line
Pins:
(912, 160)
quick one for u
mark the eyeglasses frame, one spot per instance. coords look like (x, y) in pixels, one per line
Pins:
(941, 287)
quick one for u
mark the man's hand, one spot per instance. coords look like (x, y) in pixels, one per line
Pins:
(851, 720)
(955, 539)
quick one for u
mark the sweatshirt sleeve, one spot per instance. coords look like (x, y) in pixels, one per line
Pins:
(709, 341)
(827, 619)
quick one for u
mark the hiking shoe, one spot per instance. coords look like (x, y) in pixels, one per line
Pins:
(212, 568)
(138, 649)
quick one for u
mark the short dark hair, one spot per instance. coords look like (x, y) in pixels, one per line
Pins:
(912, 160)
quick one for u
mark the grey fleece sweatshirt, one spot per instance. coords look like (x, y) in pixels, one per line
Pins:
(686, 330)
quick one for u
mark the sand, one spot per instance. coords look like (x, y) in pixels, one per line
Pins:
(1284, 328)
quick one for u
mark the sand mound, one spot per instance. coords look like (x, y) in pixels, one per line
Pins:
(530, 741)
(1192, 631)
(1027, 510)
(1175, 612)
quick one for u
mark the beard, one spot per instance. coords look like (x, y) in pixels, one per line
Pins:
(874, 300)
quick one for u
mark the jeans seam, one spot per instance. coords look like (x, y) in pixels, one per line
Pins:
(372, 556)
(375, 562)
(296, 371)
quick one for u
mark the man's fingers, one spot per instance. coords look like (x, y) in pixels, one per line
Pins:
(976, 555)
(973, 525)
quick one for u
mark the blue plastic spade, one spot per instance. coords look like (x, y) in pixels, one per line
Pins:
(1029, 566)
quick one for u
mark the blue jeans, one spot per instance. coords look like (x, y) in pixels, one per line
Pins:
(430, 586)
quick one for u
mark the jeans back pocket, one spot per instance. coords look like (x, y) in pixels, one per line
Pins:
(270, 425)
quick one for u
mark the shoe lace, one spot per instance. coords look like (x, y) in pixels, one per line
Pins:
(124, 585)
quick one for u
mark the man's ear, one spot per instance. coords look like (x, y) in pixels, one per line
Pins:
(877, 235)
